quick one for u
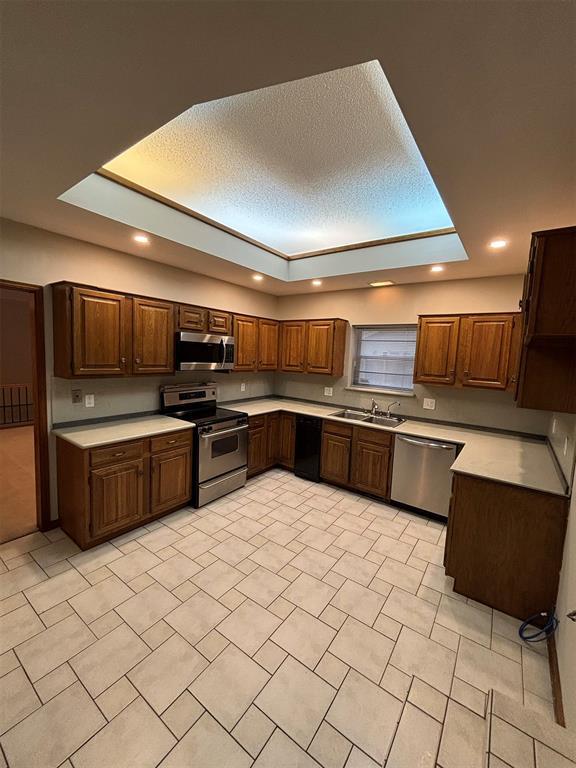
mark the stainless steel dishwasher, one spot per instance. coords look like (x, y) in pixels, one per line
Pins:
(421, 474)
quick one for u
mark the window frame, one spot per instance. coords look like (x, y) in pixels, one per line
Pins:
(355, 357)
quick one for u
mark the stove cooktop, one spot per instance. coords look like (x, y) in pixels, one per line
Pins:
(208, 416)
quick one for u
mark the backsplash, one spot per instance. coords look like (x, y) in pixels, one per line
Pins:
(562, 436)
(479, 407)
(115, 397)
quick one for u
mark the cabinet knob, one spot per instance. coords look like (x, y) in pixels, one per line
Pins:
(466, 374)
(123, 360)
(137, 361)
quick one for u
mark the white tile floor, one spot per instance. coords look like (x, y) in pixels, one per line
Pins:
(288, 624)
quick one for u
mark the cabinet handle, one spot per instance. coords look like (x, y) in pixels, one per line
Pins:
(137, 361)
(466, 374)
(171, 441)
(520, 304)
(513, 380)
(123, 360)
(121, 453)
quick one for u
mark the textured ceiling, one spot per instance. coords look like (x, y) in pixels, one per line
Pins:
(309, 165)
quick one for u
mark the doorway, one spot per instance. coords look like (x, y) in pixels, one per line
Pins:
(24, 494)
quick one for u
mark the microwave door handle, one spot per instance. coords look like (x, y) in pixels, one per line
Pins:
(222, 352)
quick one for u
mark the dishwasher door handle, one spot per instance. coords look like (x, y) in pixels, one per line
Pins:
(425, 443)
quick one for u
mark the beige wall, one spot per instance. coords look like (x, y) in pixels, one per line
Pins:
(403, 303)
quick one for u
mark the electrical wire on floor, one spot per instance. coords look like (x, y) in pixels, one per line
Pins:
(536, 634)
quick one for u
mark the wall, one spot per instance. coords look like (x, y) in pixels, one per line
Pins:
(403, 304)
(16, 318)
(562, 437)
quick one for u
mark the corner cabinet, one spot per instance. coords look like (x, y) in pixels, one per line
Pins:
(293, 346)
(105, 491)
(271, 441)
(480, 351)
(268, 341)
(245, 343)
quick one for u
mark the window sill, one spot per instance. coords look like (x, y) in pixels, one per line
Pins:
(394, 392)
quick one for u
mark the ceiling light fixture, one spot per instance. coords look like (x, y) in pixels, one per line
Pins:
(496, 244)
(381, 284)
(258, 278)
(437, 268)
(142, 239)
(316, 282)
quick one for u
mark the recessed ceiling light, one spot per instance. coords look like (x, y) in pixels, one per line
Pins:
(258, 278)
(316, 282)
(437, 268)
(381, 284)
(496, 244)
(142, 239)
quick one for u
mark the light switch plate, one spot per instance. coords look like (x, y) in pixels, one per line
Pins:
(243, 387)
(76, 396)
(89, 401)
(429, 403)
(328, 391)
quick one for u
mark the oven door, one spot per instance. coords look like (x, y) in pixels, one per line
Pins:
(222, 450)
(204, 352)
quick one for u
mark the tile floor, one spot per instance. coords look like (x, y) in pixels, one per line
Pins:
(289, 624)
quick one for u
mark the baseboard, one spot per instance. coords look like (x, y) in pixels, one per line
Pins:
(556, 683)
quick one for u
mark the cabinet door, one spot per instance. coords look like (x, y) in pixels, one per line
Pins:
(257, 449)
(335, 458)
(287, 440)
(171, 479)
(245, 343)
(436, 349)
(370, 467)
(117, 497)
(273, 438)
(219, 322)
(320, 346)
(192, 318)
(153, 336)
(101, 332)
(268, 345)
(293, 345)
(484, 350)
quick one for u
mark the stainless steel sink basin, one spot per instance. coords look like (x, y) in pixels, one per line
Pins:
(353, 415)
(386, 421)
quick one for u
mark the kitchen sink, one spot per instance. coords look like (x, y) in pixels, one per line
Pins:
(353, 415)
(386, 421)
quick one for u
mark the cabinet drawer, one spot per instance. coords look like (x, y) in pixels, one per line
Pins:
(335, 428)
(171, 440)
(114, 454)
(256, 422)
(373, 436)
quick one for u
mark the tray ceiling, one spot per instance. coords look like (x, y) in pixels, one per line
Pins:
(305, 167)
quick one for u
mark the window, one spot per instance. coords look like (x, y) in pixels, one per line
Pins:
(384, 357)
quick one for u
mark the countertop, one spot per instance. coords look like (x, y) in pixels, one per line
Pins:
(95, 435)
(506, 458)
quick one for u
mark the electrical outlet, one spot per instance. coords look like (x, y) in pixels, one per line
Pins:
(429, 403)
(243, 387)
(76, 396)
(565, 446)
(328, 391)
(89, 401)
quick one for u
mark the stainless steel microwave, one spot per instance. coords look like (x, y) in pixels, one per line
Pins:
(203, 352)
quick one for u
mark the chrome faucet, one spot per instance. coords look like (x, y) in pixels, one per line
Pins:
(374, 407)
(390, 406)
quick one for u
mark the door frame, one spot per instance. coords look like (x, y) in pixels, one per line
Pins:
(41, 455)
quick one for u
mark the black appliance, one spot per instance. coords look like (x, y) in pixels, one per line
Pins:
(220, 440)
(307, 448)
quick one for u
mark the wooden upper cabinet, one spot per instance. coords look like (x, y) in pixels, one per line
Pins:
(320, 346)
(245, 343)
(436, 350)
(153, 335)
(101, 333)
(219, 322)
(192, 318)
(268, 336)
(293, 346)
(117, 497)
(485, 351)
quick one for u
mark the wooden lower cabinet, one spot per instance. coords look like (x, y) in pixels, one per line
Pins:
(105, 491)
(171, 484)
(271, 441)
(116, 497)
(336, 451)
(371, 461)
(504, 545)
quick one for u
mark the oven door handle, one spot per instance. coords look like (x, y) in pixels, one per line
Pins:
(234, 430)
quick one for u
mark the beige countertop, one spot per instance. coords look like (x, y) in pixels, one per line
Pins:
(94, 435)
(505, 458)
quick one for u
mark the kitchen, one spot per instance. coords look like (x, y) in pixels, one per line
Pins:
(332, 491)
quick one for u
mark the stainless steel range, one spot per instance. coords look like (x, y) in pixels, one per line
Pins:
(219, 460)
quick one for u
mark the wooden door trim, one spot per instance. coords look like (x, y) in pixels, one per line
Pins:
(41, 456)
